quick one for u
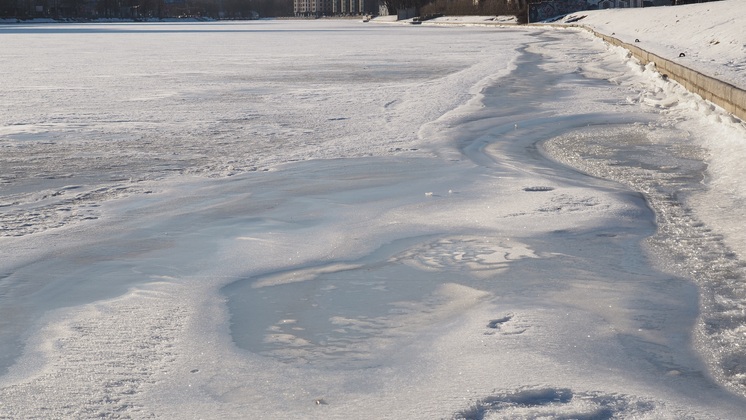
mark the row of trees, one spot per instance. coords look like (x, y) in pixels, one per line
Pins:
(241, 9)
(470, 7)
(223, 9)
(144, 9)
(458, 7)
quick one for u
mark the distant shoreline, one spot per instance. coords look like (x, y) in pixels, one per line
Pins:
(167, 20)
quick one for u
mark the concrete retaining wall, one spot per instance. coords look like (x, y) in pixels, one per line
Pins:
(725, 95)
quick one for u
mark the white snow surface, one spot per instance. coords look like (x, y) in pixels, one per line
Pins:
(711, 36)
(337, 219)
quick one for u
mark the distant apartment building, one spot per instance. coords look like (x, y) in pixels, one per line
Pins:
(312, 7)
(319, 8)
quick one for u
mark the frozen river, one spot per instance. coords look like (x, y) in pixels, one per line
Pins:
(331, 219)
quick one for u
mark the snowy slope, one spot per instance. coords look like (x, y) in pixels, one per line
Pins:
(711, 35)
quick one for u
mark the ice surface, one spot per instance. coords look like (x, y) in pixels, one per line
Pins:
(332, 219)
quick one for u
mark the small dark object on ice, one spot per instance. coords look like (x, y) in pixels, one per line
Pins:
(538, 189)
(682, 55)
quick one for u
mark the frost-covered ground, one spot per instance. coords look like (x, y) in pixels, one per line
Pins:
(335, 219)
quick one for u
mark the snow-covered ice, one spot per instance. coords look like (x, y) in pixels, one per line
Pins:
(336, 219)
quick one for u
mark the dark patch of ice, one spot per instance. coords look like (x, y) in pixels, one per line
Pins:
(495, 323)
(556, 403)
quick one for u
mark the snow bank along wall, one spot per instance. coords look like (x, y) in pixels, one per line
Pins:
(722, 94)
(725, 95)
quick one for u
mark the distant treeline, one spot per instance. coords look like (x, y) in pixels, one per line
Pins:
(144, 9)
(226, 9)
(242, 9)
(472, 8)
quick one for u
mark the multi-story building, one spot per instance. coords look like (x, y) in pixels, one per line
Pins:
(319, 8)
(316, 8)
